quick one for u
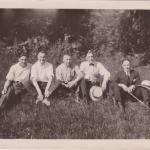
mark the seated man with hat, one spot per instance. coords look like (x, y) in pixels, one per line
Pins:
(68, 77)
(17, 80)
(126, 82)
(94, 74)
(41, 76)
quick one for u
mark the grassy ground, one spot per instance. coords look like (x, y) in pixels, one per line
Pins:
(66, 119)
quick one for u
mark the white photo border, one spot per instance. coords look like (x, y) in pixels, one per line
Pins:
(75, 144)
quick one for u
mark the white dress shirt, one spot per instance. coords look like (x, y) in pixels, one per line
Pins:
(92, 72)
(66, 74)
(19, 73)
(42, 72)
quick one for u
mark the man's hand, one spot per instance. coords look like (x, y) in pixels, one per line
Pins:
(71, 84)
(104, 86)
(65, 84)
(40, 96)
(131, 89)
(93, 80)
(4, 91)
(47, 93)
(123, 86)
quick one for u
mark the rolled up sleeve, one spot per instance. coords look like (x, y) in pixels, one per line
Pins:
(78, 72)
(58, 74)
(11, 74)
(33, 73)
(50, 71)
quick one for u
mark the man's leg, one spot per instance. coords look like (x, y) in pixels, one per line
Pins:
(119, 95)
(5, 98)
(142, 94)
(56, 87)
(85, 87)
(77, 90)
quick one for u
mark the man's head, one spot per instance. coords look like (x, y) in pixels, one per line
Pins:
(90, 57)
(23, 59)
(41, 57)
(126, 65)
(67, 60)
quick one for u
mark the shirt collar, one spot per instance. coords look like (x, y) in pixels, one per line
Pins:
(39, 64)
(127, 73)
(21, 66)
(67, 66)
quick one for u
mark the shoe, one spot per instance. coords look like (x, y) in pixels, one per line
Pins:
(46, 102)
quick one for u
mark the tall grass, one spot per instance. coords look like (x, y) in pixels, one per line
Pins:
(66, 119)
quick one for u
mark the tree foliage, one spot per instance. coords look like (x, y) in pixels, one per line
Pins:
(135, 33)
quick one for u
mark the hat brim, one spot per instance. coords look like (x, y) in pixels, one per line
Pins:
(146, 83)
(94, 98)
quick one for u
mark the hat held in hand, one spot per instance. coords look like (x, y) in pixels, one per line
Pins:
(96, 93)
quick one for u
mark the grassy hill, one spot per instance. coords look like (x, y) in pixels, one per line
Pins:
(66, 119)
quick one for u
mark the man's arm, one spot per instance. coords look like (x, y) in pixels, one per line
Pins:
(47, 93)
(136, 81)
(79, 74)
(6, 85)
(106, 75)
(9, 78)
(50, 76)
(121, 85)
(40, 95)
(34, 81)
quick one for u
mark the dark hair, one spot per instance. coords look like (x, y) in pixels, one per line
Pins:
(23, 54)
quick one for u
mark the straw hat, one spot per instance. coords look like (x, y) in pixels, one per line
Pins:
(145, 83)
(95, 93)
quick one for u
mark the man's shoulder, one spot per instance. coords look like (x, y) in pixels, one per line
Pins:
(98, 63)
(35, 64)
(60, 66)
(14, 66)
(134, 72)
(84, 63)
(48, 64)
(120, 73)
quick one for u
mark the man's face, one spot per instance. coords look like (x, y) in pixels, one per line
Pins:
(41, 58)
(90, 58)
(67, 60)
(126, 65)
(23, 61)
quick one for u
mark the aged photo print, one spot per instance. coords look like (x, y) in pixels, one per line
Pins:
(74, 74)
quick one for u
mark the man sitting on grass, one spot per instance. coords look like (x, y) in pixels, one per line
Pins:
(41, 76)
(94, 72)
(68, 77)
(17, 80)
(125, 82)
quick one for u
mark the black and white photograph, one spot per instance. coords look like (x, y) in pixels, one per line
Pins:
(74, 74)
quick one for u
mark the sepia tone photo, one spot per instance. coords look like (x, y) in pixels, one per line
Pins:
(74, 74)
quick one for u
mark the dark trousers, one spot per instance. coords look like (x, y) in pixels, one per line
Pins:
(42, 86)
(58, 86)
(121, 96)
(85, 88)
(13, 94)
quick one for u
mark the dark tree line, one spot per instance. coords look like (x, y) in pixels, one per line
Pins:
(103, 31)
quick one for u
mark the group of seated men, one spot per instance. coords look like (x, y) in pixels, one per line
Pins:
(70, 77)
